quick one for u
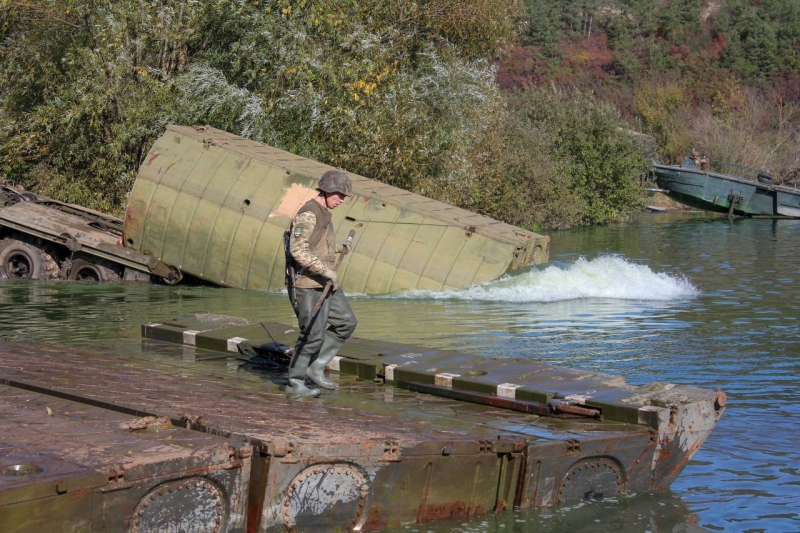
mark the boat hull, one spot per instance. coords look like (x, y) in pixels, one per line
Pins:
(788, 204)
(727, 194)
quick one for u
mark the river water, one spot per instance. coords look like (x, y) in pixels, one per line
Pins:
(690, 299)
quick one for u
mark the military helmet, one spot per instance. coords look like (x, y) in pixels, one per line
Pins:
(335, 181)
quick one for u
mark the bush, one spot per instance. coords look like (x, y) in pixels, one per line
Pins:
(602, 163)
(376, 87)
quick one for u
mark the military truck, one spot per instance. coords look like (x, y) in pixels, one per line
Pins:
(215, 206)
(42, 238)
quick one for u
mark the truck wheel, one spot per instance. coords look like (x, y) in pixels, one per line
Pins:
(20, 260)
(82, 270)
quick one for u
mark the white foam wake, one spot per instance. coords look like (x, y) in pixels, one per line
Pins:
(607, 276)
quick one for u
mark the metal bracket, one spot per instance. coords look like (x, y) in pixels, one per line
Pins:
(573, 446)
(391, 451)
(285, 450)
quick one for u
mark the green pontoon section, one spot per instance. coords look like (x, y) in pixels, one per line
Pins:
(505, 377)
(666, 409)
(216, 205)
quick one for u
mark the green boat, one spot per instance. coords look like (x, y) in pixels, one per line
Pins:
(727, 193)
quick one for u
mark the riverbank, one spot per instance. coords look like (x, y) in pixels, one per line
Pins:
(659, 202)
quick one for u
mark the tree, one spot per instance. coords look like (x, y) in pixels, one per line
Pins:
(376, 87)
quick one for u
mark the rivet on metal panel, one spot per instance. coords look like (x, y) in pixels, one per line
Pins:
(447, 450)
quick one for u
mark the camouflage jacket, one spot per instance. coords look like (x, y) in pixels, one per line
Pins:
(312, 244)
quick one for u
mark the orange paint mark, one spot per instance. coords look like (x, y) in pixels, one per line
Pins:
(293, 199)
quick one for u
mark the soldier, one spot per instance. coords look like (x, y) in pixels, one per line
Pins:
(704, 162)
(696, 158)
(312, 246)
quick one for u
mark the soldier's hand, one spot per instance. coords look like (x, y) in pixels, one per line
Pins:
(331, 275)
(346, 246)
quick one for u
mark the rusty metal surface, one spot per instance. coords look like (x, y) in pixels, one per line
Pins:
(207, 393)
(87, 470)
(367, 456)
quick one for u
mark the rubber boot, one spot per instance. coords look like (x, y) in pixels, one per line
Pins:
(297, 387)
(316, 370)
(297, 378)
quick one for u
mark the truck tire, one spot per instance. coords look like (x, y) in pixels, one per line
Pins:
(22, 260)
(83, 270)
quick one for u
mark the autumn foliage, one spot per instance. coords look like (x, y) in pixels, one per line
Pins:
(523, 111)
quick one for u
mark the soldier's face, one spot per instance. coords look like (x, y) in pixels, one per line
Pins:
(334, 200)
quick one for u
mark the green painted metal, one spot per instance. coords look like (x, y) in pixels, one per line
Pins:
(714, 191)
(216, 205)
(515, 378)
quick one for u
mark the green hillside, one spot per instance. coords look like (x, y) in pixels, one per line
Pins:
(520, 111)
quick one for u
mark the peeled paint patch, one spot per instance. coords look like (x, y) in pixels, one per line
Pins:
(293, 200)
(695, 425)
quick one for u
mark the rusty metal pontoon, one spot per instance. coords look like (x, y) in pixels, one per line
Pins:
(413, 434)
